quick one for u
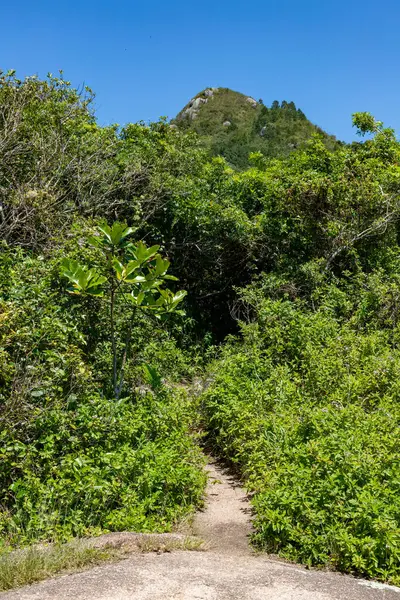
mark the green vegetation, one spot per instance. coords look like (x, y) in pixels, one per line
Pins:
(133, 279)
(33, 564)
(73, 458)
(308, 409)
(77, 455)
(306, 400)
(234, 126)
(292, 273)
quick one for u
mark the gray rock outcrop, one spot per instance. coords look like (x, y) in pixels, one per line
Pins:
(192, 109)
(251, 101)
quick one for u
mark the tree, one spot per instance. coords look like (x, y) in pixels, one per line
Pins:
(132, 280)
(366, 123)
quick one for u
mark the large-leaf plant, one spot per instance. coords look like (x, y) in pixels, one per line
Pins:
(133, 279)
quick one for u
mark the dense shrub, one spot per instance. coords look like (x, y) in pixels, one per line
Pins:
(308, 408)
(91, 465)
(73, 460)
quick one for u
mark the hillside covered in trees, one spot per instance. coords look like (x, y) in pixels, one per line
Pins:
(291, 269)
(234, 126)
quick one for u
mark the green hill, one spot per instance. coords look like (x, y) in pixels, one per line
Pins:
(234, 125)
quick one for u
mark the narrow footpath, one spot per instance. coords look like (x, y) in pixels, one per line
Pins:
(225, 524)
(226, 570)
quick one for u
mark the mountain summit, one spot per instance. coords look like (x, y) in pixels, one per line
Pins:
(233, 125)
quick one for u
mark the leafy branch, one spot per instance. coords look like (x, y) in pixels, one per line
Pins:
(134, 273)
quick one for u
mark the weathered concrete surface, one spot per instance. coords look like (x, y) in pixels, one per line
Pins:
(228, 570)
(201, 576)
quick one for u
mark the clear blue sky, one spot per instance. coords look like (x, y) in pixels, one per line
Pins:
(146, 59)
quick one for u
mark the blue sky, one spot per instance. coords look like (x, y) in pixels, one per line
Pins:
(147, 59)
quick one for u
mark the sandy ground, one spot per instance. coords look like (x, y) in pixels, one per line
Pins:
(226, 570)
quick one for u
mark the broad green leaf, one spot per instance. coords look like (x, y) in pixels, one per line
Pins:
(142, 253)
(136, 279)
(126, 232)
(161, 265)
(130, 268)
(116, 233)
(152, 251)
(106, 231)
(83, 280)
(94, 241)
(118, 267)
(179, 296)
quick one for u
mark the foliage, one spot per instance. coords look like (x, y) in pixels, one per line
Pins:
(297, 256)
(54, 158)
(135, 275)
(305, 402)
(73, 461)
(366, 123)
(57, 163)
(102, 466)
(307, 407)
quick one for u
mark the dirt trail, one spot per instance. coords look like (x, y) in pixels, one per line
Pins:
(225, 524)
(227, 570)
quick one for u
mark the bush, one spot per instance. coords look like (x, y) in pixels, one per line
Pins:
(101, 466)
(73, 460)
(308, 409)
